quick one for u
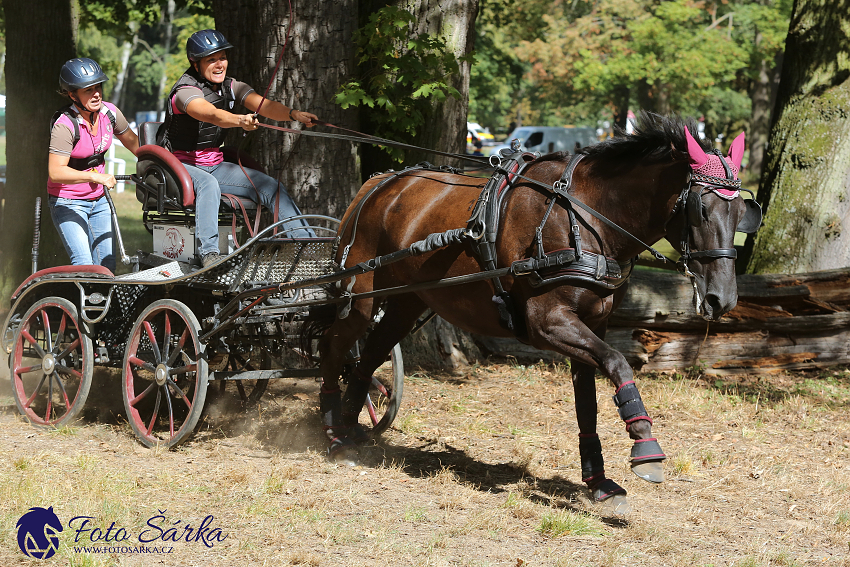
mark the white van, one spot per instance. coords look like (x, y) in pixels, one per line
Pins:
(548, 139)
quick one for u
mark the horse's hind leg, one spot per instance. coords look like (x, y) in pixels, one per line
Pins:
(400, 315)
(334, 348)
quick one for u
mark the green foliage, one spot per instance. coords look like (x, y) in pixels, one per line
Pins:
(402, 75)
(553, 63)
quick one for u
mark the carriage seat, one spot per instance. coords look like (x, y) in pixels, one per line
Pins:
(166, 184)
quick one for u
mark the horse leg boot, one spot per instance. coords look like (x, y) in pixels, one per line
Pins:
(353, 401)
(590, 448)
(646, 456)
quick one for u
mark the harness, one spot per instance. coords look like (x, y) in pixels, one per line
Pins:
(181, 131)
(82, 164)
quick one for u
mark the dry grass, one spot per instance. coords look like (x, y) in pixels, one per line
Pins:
(481, 468)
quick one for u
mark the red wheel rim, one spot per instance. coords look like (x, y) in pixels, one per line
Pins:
(48, 363)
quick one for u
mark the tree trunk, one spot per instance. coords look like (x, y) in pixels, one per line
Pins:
(322, 175)
(781, 322)
(805, 180)
(36, 53)
(169, 26)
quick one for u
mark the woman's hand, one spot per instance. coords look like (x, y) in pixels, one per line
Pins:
(104, 179)
(248, 122)
(305, 118)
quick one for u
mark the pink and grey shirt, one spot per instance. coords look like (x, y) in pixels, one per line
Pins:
(62, 143)
(184, 95)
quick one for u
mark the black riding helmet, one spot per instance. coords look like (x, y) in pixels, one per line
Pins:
(80, 73)
(205, 42)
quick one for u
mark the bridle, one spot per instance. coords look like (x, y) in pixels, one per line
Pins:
(691, 205)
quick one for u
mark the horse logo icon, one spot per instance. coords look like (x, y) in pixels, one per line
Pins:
(37, 533)
(173, 243)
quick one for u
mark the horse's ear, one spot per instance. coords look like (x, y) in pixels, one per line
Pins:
(736, 150)
(695, 151)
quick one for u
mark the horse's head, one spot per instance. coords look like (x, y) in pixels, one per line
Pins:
(709, 212)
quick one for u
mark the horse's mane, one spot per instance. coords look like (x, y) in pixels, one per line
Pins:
(655, 139)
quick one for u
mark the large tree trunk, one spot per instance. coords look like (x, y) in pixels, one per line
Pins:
(805, 180)
(36, 53)
(322, 175)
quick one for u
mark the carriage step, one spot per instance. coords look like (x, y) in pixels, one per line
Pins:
(265, 374)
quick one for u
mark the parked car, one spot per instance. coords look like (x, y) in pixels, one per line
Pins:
(548, 139)
(482, 134)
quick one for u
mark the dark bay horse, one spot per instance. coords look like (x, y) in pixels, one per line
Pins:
(647, 183)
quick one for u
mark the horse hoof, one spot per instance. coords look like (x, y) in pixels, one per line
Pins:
(650, 471)
(343, 451)
(618, 505)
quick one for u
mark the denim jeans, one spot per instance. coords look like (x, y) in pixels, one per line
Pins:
(211, 181)
(85, 228)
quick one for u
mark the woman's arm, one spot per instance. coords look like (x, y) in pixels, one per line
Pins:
(200, 109)
(277, 111)
(129, 139)
(59, 172)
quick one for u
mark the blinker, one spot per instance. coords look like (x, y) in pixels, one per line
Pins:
(751, 221)
(695, 207)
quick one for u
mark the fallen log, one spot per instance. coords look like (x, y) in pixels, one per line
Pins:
(781, 321)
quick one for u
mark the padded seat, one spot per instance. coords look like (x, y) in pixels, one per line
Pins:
(166, 184)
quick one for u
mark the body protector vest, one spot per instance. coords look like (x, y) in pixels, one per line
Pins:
(82, 164)
(181, 131)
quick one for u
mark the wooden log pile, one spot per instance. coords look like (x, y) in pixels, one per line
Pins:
(781, 322)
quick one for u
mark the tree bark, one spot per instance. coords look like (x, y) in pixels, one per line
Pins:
(36, 53)
(321, 175)
(805, 179)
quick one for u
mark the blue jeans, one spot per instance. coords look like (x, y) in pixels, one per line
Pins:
(85, 228)
(211, 181)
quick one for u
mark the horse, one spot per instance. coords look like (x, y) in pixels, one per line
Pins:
(659, 181)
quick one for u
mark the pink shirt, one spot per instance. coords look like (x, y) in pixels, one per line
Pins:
(206, 156)
(88, 145)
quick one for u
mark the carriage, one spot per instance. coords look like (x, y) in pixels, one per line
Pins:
(526, 253)
(175, 330)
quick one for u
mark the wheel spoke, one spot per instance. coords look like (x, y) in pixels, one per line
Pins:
(36, 391)
(49, 398)
(170, 413)
(68, 370)
(25, 369)
(64, 393)
(155, 410)
(184, 369)
(60, 333)
(380, 387)
(179, 349)
(149, 331)
(371, 408)
(146, 391)
(179, 391)
(47, 334)
(166, 340)
(26, 334)
(68, 350)
(141, 363)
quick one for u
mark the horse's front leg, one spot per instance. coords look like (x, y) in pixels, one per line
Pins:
(561, 330)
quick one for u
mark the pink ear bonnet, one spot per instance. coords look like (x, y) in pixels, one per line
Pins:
(709, 164)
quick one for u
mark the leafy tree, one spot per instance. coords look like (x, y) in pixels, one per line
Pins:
(402, 73)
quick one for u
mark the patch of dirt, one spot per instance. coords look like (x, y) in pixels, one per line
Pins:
(479, 468)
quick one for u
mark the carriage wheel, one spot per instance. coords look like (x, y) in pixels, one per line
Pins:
(51, 363)
(250, 391)
(165, 374)
(384, 397)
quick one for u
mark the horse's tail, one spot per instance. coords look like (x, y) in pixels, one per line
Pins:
(319, 319)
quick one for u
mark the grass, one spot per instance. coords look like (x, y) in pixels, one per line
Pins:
(567, 523)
